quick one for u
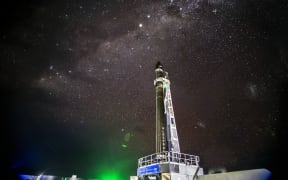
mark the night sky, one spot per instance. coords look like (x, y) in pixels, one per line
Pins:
(77, 93)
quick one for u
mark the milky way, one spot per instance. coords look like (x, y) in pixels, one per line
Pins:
(78, 83)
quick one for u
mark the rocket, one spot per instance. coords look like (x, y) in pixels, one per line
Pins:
(166, 131)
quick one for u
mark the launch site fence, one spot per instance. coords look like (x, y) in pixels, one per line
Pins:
(169, 157)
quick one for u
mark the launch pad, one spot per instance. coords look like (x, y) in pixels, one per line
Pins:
(168, 166)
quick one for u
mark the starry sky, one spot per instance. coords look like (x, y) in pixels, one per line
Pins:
(77, 83)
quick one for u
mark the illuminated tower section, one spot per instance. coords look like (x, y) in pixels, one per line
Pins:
(168, 163)
(166, 132)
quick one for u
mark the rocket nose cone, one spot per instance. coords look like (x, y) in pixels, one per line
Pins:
(159, 65)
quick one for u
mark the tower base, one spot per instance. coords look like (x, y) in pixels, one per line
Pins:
(169, 171)
(169, 166)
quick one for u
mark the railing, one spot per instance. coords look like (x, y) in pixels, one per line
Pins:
(170, 156)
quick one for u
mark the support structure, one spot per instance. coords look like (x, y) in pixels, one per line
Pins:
(168, 163)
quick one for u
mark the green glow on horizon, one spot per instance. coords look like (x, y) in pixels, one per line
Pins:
(113, 167)
(110, 176)
(112, 171)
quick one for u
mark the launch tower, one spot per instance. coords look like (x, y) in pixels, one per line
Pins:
(168, 163)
